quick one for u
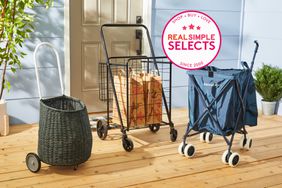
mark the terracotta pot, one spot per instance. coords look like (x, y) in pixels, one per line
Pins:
(4, 119)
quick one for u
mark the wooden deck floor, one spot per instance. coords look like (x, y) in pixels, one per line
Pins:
(153, 163)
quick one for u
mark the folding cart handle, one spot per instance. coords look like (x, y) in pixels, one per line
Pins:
(36, 68)
(255, 53)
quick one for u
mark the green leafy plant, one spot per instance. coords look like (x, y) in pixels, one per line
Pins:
(268, 82)
(15, 26)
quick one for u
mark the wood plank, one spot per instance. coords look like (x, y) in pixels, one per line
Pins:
(113, 168)
(215, 178)
(153, 163)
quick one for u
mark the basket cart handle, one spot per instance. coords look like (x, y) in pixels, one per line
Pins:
(36, 68)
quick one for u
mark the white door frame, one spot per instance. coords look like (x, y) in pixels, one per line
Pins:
(147, 16)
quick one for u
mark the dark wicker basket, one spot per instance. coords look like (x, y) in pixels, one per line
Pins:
(65, 137)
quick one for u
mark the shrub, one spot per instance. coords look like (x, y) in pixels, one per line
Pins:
(15, 26)
(268, 81)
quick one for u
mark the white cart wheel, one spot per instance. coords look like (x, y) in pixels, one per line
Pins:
(224, 158)
(208, 137)
(189, 150)
(234, 159)
(181, 148)
(242, 142)
(248, 144)
(202, 136)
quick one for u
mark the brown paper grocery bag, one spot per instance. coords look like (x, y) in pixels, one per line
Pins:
(120, 86)
(136, 109)
(152, 85)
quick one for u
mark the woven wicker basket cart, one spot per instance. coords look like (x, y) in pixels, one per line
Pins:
(64, 136)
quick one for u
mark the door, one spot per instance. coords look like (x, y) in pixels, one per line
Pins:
(86, 18)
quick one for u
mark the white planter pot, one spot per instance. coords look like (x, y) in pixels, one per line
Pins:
(268, 108)
(279, 108)
(4, 119)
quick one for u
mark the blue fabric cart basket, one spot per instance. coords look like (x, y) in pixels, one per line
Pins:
(225, 89)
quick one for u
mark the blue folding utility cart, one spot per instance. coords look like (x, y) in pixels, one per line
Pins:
(221, 102)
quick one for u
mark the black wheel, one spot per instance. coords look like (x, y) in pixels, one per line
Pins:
(102, 130)
(127, 144)
(154, 128)
(33, 162)
(173, 135)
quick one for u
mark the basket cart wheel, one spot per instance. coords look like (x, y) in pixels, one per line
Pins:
(154, 128)
(189, 150)
(127, 144)
(102, 130)
(234, 159)
(181, 148)
(75, 167)
(173, 135)
(245, 143)
(33, 162)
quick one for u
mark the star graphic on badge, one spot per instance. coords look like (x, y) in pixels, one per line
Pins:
(198, 28)
(191, 26)
(184, 27)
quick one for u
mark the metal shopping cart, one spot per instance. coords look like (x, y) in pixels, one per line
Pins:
(121, 87)
(221, 102)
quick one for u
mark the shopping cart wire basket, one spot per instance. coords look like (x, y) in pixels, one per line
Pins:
(221, 102)
(125, 76)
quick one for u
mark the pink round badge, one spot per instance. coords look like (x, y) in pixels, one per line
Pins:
(191, 39)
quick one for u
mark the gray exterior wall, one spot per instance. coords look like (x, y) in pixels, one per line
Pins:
(262, 22)
(227, 15)
(23, 100)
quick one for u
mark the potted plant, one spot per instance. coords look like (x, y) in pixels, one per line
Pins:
(268, 82)
(15, 27)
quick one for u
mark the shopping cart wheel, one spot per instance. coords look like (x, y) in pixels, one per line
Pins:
(127, 144)
(234, 159)
(208, 137)
(102, 130)
(33, 162)
(173, 135)
(154, 128)
(189, 150)
(181, 148)
(225, 156)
